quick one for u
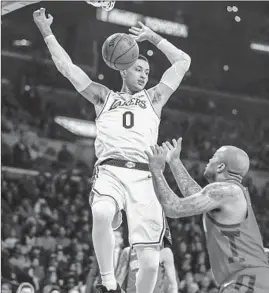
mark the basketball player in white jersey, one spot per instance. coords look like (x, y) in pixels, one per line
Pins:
(127, 123)
(128, 268)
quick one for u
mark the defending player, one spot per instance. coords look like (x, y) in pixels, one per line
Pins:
(128, 267)
(234, 242)
(127, 124)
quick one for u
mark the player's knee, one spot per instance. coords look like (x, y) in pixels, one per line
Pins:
(150, 266)
(103, 211)
(149, 260)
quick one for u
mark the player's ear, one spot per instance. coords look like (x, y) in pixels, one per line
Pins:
(221, 167)
(123, 74)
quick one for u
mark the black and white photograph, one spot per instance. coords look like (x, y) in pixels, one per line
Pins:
(134, 146)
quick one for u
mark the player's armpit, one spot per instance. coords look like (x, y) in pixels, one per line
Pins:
(95, 93)
(170, 81)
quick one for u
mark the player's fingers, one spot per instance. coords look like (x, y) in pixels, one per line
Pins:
(50, 17)
(141, 24)
(42, 11)
(169, 146)
(160, 150)
(134, 32)
(155, 150)
(152, 147)
(165, 151)
(136, 28)
(165, 147)
(148, 154)
(133, 37)
(174, 142)
(36, 13)
(179, 141)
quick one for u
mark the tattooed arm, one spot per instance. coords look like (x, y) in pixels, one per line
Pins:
(122, 268)
(185, 182)
(211, 197)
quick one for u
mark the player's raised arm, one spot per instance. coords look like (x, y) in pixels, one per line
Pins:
(185, 182)
(92, 91)
(211, 197)
(173, 76)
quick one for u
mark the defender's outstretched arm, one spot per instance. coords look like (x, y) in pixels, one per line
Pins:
(185, 182)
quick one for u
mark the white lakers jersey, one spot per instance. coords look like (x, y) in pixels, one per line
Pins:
(126, 127)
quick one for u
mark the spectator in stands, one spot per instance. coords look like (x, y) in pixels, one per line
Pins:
(6, 288)
(51, 280)
(29, 239)
(62, 239)
(55, 289)
(193, 288)
(26, 209)
(186, 283)
(25, 287)
(205, 284)
(7, 199)
(71, 282)
(11, 240)
(21, 151)
(19, 258)
(47, 241)
(65, 157)
(38, 270)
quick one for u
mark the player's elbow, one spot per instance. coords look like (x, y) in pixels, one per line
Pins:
(187, 58)
(170, 212)
(63, 67)
(185, 62)
(188, 61)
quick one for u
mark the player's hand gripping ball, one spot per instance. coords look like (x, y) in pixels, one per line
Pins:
(120, 51)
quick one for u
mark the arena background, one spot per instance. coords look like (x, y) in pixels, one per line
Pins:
(48, 129)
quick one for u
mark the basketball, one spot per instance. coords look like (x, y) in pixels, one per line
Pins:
(120, 51)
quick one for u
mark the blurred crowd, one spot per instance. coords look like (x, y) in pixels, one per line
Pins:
(46, 219)
(204, 134)
(28, 153)
(46, 234)
(46, 237)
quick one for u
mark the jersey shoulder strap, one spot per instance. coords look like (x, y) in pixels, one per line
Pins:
(108, 96)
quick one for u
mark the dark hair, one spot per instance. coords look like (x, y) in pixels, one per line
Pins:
(26, 286)
(142, 57)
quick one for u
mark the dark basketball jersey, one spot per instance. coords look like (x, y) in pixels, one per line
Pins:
(235, 248)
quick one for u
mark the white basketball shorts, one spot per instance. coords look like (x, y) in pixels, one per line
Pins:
(132, 191)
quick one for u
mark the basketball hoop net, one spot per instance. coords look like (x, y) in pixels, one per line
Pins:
(106, 5)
